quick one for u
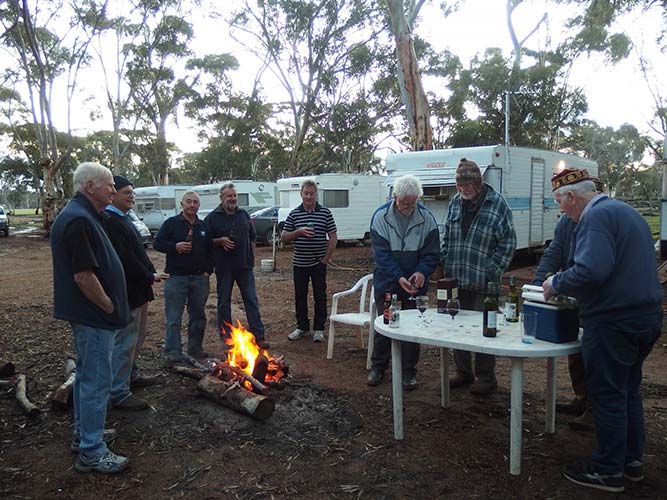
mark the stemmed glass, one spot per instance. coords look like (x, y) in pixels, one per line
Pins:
(453, 307)
(422, 306)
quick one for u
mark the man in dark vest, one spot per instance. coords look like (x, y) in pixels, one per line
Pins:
(90, 292)
(140, 275)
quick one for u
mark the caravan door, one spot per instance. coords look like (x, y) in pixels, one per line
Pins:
(536, 233)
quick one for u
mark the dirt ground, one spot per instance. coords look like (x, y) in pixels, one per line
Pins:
(330, 436)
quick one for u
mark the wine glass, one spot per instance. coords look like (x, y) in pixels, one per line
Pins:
(422, 306)
(453, 307)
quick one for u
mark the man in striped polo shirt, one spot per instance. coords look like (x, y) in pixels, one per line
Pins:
(312, 229)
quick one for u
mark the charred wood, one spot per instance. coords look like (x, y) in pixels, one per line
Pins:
(234, 396)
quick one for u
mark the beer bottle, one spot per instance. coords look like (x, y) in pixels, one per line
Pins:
(513, 303)
(386, 308)
(188, 238)
(489, 328)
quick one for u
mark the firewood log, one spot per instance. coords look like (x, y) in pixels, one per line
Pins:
(28, 408)
(7, 369)
(62, 398)
(234, 396)
(256, 384)
(188, 371)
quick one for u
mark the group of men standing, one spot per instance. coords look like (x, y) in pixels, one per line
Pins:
(602, 254)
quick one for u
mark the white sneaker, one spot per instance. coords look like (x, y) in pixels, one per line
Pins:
(297, 334)
(318, 336)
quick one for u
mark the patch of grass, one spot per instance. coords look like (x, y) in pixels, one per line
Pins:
(24, 211)
(654, 223)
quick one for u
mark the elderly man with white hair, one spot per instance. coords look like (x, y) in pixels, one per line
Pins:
(90, 292)
(405, 237)
(614, 277)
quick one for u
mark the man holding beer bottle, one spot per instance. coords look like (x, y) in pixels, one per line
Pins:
(187, 243)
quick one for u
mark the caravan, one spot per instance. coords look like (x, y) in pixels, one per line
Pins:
(352, 199)
(155, 204)
(521, 175)
(252, 195)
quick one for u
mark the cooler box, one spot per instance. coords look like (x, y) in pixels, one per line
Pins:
(554, 323)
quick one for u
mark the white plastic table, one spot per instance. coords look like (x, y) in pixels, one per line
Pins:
(465, 333)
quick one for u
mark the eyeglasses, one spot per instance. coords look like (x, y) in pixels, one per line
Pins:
(127, 193)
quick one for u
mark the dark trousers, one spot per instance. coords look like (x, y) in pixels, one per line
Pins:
(382, 345)
(575, 364)
(485, 364)
(613, 355)
(318, 276)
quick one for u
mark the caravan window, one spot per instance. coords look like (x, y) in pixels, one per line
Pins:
(335, 198)
(242, 199)
(146, 204)
(167, 204)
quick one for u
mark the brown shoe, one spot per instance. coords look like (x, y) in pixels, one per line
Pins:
(583, 423)
(459, 380)
(577, 407)
(132, 403)
(483, 387)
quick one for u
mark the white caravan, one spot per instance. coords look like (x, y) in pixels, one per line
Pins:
(521, 175)
(155, 204)
(252, 195)
(352, 199)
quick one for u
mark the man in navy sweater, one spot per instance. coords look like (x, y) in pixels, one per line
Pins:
(614, 277)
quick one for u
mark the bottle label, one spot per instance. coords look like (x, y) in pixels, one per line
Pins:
(510, 311)
(442, 294)
(491, 319)
(455, 293)
(395, 318)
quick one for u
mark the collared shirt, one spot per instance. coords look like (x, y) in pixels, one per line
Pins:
(310, 251)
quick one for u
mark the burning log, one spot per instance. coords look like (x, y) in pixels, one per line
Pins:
(28, 408)
(257, 386)
(234, 396)
(62, 398)
(6, 368)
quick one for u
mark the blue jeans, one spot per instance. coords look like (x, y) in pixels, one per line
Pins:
(613, 355)
(179, 291)
(245, 279)
(92, 386)
(123, 358)
(302, 276)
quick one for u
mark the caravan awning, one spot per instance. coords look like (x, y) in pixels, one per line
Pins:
(429, 176)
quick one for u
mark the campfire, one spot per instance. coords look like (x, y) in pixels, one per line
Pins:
(247, 357)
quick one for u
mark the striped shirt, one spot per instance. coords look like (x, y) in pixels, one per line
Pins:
(310, 251)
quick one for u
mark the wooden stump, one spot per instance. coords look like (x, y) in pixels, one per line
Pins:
(234, 396)
(62, 398)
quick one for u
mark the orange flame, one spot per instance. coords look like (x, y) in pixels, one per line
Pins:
(243, 350)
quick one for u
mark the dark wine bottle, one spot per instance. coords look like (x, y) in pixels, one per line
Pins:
(489, 328)
(513, 303)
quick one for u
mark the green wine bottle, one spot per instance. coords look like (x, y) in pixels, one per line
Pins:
(489, 328)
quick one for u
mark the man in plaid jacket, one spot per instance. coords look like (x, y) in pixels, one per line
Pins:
(477, 246)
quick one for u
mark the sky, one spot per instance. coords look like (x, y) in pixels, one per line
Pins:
(616, 94)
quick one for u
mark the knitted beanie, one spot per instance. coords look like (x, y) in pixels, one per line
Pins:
(468, 173)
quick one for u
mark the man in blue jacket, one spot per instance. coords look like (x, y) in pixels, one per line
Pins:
(186, 241)
(89, 291)
(614, 277)
(406, 249)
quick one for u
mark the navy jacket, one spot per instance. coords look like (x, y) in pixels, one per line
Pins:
(241, 230)
(69, 303)
(139, 270)
(174, 230)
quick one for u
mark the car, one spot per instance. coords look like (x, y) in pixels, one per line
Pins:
(4, 222)
(142, 228)
(263, 220)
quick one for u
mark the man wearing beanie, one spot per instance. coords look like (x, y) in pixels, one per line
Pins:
(140, 275)
(477, 246)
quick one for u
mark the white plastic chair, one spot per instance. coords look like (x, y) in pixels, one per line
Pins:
(362, 318)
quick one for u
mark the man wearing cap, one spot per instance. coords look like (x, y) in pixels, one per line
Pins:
(556, 258)
(89, 292)
(477, 246)
(140, 275)
(614, 278)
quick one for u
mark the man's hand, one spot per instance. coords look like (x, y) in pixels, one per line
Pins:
(548, 290)
(406, 285)
(184, 247)
(227, 243)
(417, 279)
(157, 277)
(306, 232)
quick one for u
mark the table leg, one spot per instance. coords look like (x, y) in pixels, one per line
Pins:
(444, 377)
(397, 387)
(550, 403)
(516, 416)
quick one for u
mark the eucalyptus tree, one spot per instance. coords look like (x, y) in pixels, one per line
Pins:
(309, 47)
(47, 51)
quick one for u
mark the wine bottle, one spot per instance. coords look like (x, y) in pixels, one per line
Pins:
(386, 308)
(489, 327)
(513, 304)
